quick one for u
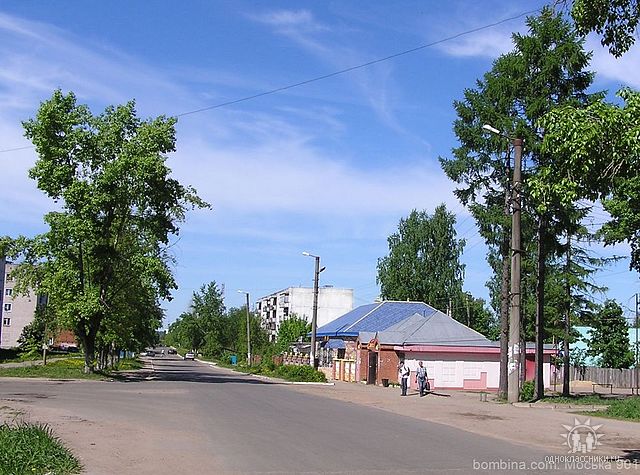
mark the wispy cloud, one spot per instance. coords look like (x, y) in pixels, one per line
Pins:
(276, 164)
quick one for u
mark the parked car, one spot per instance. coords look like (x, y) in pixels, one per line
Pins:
(151, 353)
(190, 356)
(171, 351)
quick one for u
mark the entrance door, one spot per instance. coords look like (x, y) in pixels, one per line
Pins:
(373, 367)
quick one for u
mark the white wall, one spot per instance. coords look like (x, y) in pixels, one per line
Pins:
(450, 370)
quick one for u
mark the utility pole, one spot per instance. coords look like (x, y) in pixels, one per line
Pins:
(513, 393)
(314, 318)
(248, 333)
(248, 328)
(636, 365)
(566, 361)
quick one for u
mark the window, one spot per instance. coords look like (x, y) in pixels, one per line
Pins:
(6, 321)
(8, 292)
(7, 307)
(8, 278)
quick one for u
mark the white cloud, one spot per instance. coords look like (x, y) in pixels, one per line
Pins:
(291, 20)
(487, 44)
(240, 162)
(619, 70)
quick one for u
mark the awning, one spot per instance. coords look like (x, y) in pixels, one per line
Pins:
(335, 344)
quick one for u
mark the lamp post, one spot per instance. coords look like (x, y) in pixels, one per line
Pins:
(513, 393)
(248, 329)
(314, 318)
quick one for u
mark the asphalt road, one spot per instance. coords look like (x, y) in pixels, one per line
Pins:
(193, 417)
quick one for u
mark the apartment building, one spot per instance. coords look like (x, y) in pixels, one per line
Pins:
(17, 310)
(278, 306)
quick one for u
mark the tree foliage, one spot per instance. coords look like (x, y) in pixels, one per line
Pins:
(609, 340)
(424, 261)
(615, 20)
(599, 151)
(104, 260)
(290, 330)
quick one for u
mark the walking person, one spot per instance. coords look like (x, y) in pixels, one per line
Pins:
(421, 379)
(403, 376)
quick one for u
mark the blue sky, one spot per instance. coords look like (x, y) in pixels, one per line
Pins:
(329, 167)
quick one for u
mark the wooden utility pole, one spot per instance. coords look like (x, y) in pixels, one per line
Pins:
(541, 269)
(566, 361)
(635, 369)
(516, 257)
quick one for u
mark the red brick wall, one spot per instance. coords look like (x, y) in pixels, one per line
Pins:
(387, 366)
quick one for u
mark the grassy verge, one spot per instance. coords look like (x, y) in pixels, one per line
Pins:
(624, 409)
(585, 399)
(34, 449)
(70, 368)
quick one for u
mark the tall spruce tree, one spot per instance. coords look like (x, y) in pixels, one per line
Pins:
(545, 69)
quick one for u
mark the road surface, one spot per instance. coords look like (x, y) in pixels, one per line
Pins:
(194, 418)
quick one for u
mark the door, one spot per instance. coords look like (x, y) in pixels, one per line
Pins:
(373, 367)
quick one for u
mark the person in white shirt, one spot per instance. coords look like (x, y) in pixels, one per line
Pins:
(403, 376)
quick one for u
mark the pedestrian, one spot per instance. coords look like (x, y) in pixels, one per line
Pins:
(403, 376)
(421, 379)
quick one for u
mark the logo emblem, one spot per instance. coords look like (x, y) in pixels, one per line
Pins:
(582, 437)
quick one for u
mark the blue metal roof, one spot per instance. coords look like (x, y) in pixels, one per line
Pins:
(373, 318)
(335, 327)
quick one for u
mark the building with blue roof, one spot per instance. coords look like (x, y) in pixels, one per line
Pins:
(370, 341)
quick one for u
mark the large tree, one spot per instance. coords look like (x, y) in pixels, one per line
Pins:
(424, 262)
(546, 68)
(609, 338)
(106, 251)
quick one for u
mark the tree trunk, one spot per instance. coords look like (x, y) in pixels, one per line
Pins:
(88, 344)
(540, 281)
(88, 339)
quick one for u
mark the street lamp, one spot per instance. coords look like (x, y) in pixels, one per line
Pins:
(513, 393)
(248, 329)
(314, 318)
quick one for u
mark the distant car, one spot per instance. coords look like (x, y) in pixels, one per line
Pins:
(151, 353)
(189, 356)
(171, 351)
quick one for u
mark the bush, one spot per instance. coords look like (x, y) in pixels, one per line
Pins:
(528, 388)
(300, 373)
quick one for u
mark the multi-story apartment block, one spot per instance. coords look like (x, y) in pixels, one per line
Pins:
(278, 306)
(17, 310)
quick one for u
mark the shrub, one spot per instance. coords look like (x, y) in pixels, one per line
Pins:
(528, 388)
(300, 373)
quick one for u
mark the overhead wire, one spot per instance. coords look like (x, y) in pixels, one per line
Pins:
(339, 72)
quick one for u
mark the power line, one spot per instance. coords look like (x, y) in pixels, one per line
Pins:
(341, 71)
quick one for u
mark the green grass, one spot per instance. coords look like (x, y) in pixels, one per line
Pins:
(34, 449)
(69, 368)
(586, 399)
(624, 409)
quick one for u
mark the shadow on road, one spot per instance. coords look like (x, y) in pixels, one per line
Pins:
(179, 371)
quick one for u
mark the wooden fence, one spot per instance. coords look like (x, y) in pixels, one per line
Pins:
(619, 378)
